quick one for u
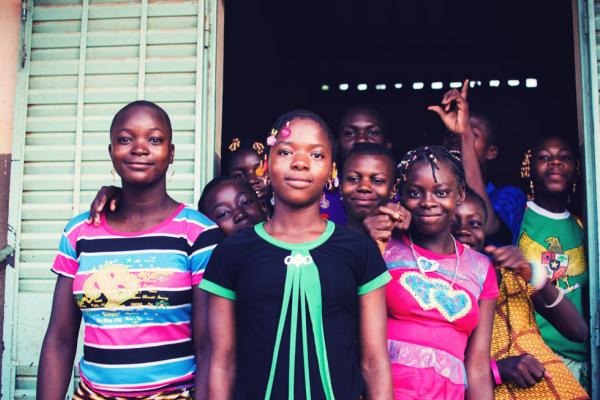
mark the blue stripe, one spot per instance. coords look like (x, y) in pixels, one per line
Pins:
(136, 375)
(195, 215)
(77, 220)
(141, 260)
(200, 260)
(64, 246)
(135, 316)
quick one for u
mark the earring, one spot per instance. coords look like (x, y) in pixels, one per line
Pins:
(172, 173)
(324, 203)
(531, 195)
(113, 173)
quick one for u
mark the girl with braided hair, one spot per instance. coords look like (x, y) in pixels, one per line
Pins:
(553, 237)
(442, 295)
(297, 304)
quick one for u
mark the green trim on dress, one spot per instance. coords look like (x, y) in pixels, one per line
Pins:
(375, 283)
(213, 288)
(303, 287)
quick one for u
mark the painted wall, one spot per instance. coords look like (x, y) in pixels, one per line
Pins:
(10, 14)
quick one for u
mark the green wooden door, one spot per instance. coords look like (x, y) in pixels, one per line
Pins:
(83, 60)
(587, 32)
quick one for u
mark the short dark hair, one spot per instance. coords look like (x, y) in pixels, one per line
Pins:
(304, 114)
(146, 104)
(367, 109)
(372, 149)
(471, 195)
(212, 185)
(491, 127)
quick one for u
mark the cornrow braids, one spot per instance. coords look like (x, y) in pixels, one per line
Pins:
(237, 149)
(432, 155)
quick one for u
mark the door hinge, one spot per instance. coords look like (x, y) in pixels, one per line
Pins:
(207, 27)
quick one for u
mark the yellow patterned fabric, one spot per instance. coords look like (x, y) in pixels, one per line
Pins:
(516, 333)
(83, 392)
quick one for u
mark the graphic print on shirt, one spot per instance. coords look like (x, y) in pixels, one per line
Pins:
(113, 284)
(553, 258)
(434, 293)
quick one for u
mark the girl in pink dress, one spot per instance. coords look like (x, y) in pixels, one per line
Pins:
(442, 296)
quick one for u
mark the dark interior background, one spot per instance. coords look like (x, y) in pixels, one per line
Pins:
(279, 53)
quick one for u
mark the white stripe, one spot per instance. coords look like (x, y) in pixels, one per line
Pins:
(198, 223)
(140, 364)
(164, 289)
(552, 215)
(133, 308)
(73, 228)
(136, 346)
(137, 325)
(204, 249)
(62, 273)
(145, 251)
(66, 256)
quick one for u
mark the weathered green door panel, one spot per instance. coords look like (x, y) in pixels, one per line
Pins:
(85, 60)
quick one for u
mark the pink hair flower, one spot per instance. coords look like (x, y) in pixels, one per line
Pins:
(271, 140)
(285, 131)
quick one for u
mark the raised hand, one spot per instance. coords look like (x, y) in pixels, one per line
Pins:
(106, 195)
(455, 118)
(524, 370)
(510, 257)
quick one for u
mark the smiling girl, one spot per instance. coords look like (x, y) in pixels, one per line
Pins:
(442, 296)
(134, 279)
(297, 307)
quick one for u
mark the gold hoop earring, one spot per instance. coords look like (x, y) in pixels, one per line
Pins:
(113, 173)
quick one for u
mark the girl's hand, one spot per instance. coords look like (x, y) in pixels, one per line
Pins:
(524, 370)
(389, 217)
(456, 119)
(510, 257)
(106, 194)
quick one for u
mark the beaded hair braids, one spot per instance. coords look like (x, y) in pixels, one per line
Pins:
(432, 155)
(526, 175)
(236, 147)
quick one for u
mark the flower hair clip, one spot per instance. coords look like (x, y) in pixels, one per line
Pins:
(258, 148)
(235, 145)
(283, 133)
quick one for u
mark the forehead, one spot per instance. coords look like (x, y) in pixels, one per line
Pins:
(141, 115)
(553, 143)
(372, 162)
(307, 131)
(244, 157)
(470, 207)
(225, 191)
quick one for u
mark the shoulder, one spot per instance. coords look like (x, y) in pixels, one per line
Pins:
(478, 262)
(512, 191)
(191, 216)
(239, 240)
(353, 240)
(75, 225)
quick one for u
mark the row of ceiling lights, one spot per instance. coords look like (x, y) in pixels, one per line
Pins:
(528, 83)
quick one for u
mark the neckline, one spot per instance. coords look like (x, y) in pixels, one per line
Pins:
(430, 254)
(104, 224)
(552, 215)
(260, 231)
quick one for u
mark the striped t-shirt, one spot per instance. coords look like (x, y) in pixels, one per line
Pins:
(135, 293)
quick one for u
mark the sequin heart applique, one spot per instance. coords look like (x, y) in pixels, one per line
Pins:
(436, 293)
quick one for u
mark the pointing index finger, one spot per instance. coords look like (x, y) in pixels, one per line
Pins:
(465, 89)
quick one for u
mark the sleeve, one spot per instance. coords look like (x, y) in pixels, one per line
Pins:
(219, 278)
(490, 285)
(375, 273)
(65, 263)
(510, 204)
(201, 252)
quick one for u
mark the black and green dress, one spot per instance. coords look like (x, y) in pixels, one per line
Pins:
(296, 310)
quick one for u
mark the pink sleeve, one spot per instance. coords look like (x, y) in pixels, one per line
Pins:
(490, 285)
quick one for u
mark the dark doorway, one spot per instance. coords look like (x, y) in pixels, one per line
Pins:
(280, 54)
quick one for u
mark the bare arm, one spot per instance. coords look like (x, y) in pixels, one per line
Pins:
(60, 343)
(222, 330)
(564, 316)
(458, 122)
(374, 358)
(201, 341)
(477, 356)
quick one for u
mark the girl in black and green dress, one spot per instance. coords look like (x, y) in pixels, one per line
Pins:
(297, 305)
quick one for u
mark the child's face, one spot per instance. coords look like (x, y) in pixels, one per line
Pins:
(359, 127)
(244, 167)
(300, 164)
(469, 223)
(366, 184)
(432, 204)
(483, 150)
(140, 147)
(553, 167)
(233, 207)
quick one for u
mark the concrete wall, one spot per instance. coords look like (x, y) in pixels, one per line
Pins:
(10, 14)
